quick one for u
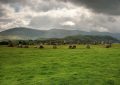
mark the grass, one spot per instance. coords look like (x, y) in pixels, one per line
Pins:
(63, 66)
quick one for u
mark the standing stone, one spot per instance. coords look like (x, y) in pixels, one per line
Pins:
(88, 46)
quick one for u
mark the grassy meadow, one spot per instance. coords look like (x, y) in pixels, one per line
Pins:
(62, 66)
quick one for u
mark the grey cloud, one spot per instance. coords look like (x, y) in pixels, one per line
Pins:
(42, 22)
(45, 22)
(6, 20)
(36, 5)
(103, 14)
(5, 10)
(111, 7)
(15, 4)
(2, 11)
(13, 1)
(47, 5)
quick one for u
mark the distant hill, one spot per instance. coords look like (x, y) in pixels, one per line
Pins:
(22, 33)
(27, 33)
(115, 35)
(91, 38)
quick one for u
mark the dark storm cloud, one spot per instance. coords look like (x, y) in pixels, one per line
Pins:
(87, 15)
(15, 4)
(13, 1)
(111, 7)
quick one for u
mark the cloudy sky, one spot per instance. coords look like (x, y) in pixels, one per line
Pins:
(86, 15)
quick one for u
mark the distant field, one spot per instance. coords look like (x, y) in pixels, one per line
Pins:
(63, 66)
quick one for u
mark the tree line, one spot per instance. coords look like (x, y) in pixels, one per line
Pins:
(78, 39)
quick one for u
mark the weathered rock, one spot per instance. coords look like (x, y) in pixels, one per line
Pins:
(88, 46)
(41, 46)
(54, 46)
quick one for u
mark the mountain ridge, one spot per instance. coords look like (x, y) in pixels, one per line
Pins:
(29, 33)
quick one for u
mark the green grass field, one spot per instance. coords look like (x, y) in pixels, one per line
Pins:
(63, 66)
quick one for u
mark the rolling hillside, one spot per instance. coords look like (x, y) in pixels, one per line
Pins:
(27, 33)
